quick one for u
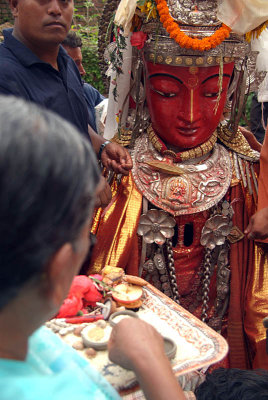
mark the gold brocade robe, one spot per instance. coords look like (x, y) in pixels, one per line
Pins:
(118, 245)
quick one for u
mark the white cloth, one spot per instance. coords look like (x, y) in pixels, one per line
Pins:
(263, 91)
(124, 14)
(243, 15)
(100, 115)
(123, 85)
(261, 46)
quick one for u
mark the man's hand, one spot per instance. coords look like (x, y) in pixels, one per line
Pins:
(258, 225)
(116, 158)
(104, 194)
(113, 156)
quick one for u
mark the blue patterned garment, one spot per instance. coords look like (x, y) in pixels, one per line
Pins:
(52, 371)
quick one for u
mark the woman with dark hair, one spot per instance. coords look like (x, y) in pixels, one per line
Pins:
(48, 184)
(234, 384)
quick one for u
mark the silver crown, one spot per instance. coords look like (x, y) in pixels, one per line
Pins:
(203, 13)
(164, 50)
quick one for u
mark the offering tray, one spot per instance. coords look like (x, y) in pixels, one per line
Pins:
(198, 346)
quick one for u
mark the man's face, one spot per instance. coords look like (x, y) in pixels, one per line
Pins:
(182, 102)
(42, 22)
(76, 55)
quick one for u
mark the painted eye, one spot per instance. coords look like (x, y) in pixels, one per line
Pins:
(168, 95)
(211, 94)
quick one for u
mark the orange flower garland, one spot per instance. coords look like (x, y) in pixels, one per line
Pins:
(182, 39)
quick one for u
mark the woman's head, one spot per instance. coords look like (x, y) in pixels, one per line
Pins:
(48, 179)
(231, 384)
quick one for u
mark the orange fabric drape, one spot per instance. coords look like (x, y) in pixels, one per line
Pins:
(117, 243)
(241, 258)
(263, 178)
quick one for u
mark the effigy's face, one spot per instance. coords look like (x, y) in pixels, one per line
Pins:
(184, 102)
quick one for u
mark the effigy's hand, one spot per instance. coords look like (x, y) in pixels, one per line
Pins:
(258, 225)
(133, 341)
(104, 194)
(116, 158)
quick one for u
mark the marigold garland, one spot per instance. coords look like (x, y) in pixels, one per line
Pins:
(185, 41)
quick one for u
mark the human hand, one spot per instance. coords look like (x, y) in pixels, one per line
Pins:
(117, 158)
(133, 341)
(136, 345)
(104, 194)
(258, 225)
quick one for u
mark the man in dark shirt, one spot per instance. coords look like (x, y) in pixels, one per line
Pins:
(33, 66)
(23, 74)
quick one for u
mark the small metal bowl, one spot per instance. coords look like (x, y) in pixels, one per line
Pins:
(100, 345)
(125, 312)
(170, 347)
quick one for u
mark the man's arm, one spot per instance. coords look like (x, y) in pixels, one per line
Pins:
(93, 95)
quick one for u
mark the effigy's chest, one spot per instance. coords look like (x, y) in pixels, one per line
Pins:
(186, 215)
(184, 188)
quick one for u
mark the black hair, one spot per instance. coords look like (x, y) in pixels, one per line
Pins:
(234, 384)
(72, 40)
(48, 178)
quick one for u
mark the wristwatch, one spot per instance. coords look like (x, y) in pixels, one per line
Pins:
(102, 147)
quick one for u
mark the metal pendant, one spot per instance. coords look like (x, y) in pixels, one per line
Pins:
(159, 262)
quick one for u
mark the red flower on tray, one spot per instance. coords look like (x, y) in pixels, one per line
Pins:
(138, 39)
(83, 292)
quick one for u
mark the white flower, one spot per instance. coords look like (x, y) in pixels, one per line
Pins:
(124, 14)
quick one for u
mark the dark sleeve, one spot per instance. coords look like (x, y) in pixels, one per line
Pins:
(93, 95)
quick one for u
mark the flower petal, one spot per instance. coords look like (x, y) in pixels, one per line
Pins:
(225, 230)
(169, 222)
(206, 239)
(145, 219)
(167, 232)
(143, 229)
(211, 246)
(159, 238)
(162, 216)
(149, 237)
(153, 215)
(210, 224)
(219, 240)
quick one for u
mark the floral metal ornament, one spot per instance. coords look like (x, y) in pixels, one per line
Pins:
(215, 231)
(156, 226)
